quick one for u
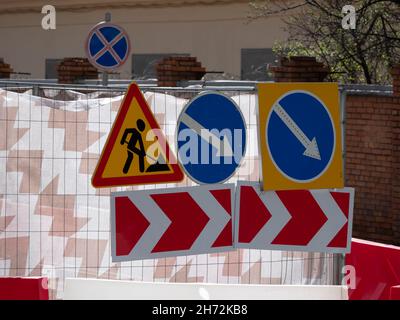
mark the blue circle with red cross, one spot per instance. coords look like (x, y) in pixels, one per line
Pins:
(107, 46)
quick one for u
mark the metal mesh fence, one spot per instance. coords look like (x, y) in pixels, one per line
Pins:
(54, 223)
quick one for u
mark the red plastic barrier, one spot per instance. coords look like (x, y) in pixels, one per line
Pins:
(395, 293)
(377, 269)
(24, 289)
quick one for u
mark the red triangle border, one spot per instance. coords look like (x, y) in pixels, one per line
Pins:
(99, 182)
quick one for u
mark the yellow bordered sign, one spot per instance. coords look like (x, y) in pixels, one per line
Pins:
(136, 151)
(300, 136)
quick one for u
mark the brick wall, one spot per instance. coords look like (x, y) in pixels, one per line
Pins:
(74, 70)
(299, 69)
(5, 69)
(371, 165)
(396, 154)
(372, 155)
(174, 69)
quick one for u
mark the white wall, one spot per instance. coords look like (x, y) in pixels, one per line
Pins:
(215, 34)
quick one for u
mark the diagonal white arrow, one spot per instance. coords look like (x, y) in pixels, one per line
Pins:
(208, 136)
(312, 150)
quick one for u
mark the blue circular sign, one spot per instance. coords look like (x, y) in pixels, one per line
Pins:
(211, 138)
(107, 46)
(300, 136)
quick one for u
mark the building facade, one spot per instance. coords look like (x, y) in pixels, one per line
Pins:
(217, 32)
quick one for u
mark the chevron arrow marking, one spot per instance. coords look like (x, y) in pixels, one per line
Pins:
(161, 223)
(298, 220)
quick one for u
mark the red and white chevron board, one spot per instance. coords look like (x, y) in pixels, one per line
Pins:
(298, 220)
(171, 222)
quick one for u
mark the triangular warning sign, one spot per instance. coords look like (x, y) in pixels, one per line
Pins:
(136, 151)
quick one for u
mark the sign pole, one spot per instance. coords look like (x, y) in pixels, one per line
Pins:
(107, 18)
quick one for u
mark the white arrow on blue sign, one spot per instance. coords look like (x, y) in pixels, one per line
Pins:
(301, 144)
(211, 138)
(107, 46)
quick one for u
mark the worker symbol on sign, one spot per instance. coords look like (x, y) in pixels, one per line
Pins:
(137, 139)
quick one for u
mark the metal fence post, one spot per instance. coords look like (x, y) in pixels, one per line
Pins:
(341, 257)
(35, 90)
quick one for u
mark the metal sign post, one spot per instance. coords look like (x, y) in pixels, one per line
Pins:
(107, 18)
(343, 95)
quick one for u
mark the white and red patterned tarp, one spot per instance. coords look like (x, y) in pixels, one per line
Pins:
(54, 223)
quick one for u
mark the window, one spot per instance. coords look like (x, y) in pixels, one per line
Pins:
(254, 65)
(51, 68)
(144, 65)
